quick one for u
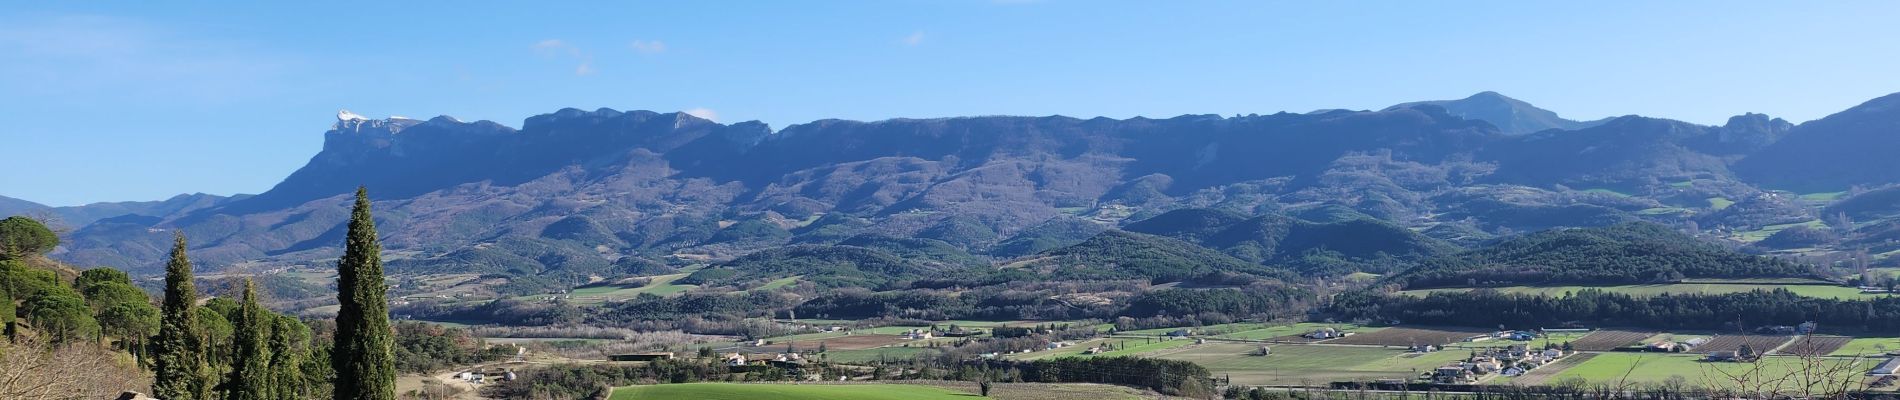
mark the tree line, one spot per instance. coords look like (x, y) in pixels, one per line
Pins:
(1594, 308)
(1629, 253)
(195, 348)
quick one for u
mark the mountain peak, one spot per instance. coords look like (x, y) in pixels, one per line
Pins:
(347, 121)
(1511, 116)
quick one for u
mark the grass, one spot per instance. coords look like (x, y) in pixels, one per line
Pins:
(1217, 329)
(1295, 329)
(1720, 202)
(1138, 346)
(806, 337)
(1613, 368)
(660, 285)
(1770, 230)
(779, 283)
(748, 391)
(1071, 351)
(1132, 346)
(1295, 364)
(1361, 277)
(1823, 196)
(881, 353)
(1605, 191)
(1868, 346)
(1558, 339)
(1663, 210)
(1815, 291)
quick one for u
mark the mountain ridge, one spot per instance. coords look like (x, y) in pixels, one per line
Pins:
(666, 184)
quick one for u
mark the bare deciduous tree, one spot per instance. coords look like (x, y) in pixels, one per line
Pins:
(33, 369)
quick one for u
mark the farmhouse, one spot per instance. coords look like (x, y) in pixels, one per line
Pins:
(1453, 374)
(1743, 355)
(1776, 330)
(1889, 367)
(1323, 333)
(918, 334)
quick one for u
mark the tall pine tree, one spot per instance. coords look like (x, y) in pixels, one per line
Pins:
(289, 340)
(7, 312)
(250, 362)
(178, 357)
(364, 358)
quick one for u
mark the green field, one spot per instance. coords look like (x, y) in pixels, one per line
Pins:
(1869, 346)
(1298, 364)
(1133, 346)
(1720, 202)
(1556, 339)
(881, 353)
(1294, 329)
(1663, 210)
(1605, 191)
(1616, 368)
(1071, 351)
(1197, 330)
(1823, 196)
(661, 285)
(779, 283)
(1766, 231)
(748, 391)
(1138, 346)
(1816, 291)
(1361, 277)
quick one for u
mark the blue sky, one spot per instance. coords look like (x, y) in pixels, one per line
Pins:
(111, 101)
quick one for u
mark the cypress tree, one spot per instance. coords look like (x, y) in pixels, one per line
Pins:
(178, 360)
(288, 342)
(7, 312)
(363, 357)
(250, 364)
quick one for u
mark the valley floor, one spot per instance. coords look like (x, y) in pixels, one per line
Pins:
(904, 390)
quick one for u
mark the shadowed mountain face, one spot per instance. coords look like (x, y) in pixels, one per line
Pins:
(1852, 147)
(574, 189)
(11, 206)
(1512, 116)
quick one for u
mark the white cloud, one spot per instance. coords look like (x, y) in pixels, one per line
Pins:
(558, 47)
(914, 39)
(548, 47)
(648, 46)
(703, 112)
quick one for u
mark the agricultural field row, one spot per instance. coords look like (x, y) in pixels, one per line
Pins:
(1816, 291)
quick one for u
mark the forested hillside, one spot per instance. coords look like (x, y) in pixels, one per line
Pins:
(1619, 254)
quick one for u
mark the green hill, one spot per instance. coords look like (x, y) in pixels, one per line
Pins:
(1128, 255)
(829, 266)
(1619, 254)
